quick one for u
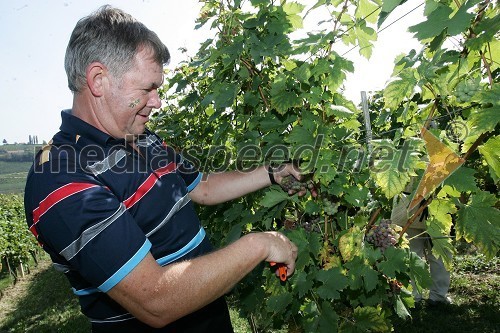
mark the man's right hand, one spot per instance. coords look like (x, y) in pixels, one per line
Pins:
(280, 250)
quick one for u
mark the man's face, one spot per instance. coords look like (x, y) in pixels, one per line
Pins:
(130, 99)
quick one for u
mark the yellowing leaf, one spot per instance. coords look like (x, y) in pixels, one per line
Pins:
(350, 244)
(443, 162)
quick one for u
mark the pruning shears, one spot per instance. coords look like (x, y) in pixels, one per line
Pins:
(281, 270)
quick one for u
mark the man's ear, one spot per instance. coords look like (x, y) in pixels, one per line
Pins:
(95, 73)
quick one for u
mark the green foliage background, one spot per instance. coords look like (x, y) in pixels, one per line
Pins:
(253, 95)
(17, 244)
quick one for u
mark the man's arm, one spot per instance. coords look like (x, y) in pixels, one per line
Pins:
(160, 295)
(221, 187)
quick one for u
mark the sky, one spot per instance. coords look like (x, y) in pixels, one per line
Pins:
(34, 35)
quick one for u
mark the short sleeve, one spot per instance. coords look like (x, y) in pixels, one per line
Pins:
(91, 231)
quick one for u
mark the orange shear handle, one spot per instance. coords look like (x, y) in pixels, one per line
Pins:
(281, 270)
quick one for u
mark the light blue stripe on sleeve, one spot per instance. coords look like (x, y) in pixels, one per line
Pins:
(83, 292)
(127, 268)
(195, 182)
(193, 244)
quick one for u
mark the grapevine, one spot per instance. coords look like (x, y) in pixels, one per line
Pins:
(251, 88)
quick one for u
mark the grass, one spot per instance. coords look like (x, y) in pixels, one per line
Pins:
(475, 289)
(43, 302)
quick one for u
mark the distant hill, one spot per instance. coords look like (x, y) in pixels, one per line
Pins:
(15, 162)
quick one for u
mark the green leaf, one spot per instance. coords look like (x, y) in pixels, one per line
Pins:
(419, 271)
(365, 35)
(234, 233)
(370, 278)
(296, 21)
(362, 275)
(484, 120)
(365, 10)
(273, 197)
(478, 221)
(388, 7)
(462, 180)
(357, 196)
(392, 167)
(436, 22)
(395, 262)
(400, 308)
(490, 151)
(312, 208)
(442, 18)
(366, 319)
(302, 283)
(224, 94)
(339, 111)
(441, 247)
(439, 226)
(441, 210)
(270, 123)
(303, 73)
(491, 95)
(307, 243)
(485, 32)
(333, 282)
(292, 8)
(462, 18)
(328, 320)
(284, 100)
(400, 89)
(300, 135)
(278, 303)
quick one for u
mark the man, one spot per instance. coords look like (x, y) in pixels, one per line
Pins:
(112, 204)
(421, 244)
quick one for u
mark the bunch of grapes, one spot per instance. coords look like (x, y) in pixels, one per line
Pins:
(330, 208)
(290, 183)
(383, 235)
(395, 286)
(465, 90)
(312, 225)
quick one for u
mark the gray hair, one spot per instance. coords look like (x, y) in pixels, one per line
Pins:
(111, 37)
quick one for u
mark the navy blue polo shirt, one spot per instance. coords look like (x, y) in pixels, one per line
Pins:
(97, 206)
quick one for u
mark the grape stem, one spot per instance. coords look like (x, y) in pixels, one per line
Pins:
(373, 218)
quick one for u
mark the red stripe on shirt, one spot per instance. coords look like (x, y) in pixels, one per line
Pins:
(148, 184)
(56, 196)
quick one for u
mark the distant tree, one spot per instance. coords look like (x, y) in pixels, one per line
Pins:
(4, 141)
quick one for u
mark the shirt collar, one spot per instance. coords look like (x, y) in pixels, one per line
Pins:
(75, 126)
